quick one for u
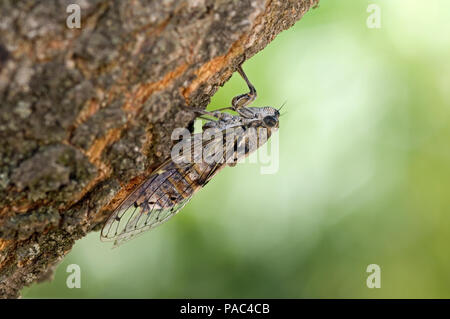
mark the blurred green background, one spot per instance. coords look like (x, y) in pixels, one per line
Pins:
(364, 175)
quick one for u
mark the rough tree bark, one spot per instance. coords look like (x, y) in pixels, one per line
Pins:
(86, 114)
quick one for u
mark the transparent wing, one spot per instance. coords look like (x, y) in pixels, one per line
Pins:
(157, 199)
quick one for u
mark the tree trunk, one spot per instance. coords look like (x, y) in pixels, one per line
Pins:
(86, 113)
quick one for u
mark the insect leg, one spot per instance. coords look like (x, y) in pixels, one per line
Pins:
(202, 112)
(245, 99)
(217, 114)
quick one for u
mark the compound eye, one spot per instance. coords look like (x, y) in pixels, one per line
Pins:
(270, 121)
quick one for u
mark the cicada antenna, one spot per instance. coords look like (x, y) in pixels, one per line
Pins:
(282, 105)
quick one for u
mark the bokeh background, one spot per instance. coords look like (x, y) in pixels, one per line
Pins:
(364, 175)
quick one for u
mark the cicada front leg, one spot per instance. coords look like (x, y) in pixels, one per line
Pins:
(245, 99)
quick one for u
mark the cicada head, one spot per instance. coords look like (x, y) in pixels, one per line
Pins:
(267, 116)
(270, 117)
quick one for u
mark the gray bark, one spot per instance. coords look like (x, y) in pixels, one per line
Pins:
(86, 114)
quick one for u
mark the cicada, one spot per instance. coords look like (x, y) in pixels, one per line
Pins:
(167, 190)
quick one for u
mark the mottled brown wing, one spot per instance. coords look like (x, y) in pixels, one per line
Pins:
(157, 199)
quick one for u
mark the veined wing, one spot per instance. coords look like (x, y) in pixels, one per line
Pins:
(158, 198)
